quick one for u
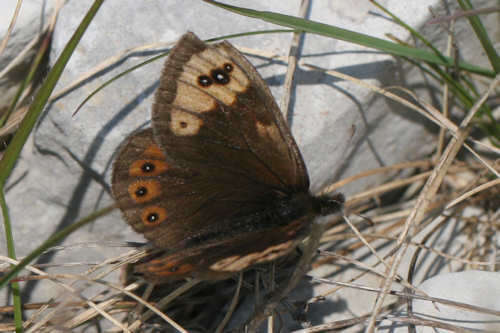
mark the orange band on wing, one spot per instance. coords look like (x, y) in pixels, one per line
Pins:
(155, 152)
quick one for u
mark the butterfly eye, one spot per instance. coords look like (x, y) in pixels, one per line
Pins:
(228, 68)
(219, 76)
(204, 80)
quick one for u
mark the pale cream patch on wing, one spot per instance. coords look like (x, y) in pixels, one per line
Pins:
(268, 131)
(183, 123)
(238, 263)
(198, 65)
(193, 99)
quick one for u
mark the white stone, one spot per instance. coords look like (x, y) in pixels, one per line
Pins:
(33, 15)
(476, 288)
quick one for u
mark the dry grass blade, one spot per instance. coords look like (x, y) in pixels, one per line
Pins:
(302, 267)
(12, 24)
(426, 196)
(20, 111)
(232, 307)
(293, 55)
(474, 191)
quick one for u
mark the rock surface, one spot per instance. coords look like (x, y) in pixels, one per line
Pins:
(475, 288)
(16, 58)
(341, 128)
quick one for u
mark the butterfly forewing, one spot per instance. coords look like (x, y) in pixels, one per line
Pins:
(230, 122)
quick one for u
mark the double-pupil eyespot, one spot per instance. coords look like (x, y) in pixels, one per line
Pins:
(218, 75)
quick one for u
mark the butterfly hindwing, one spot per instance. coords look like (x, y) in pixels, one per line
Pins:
(222, 258)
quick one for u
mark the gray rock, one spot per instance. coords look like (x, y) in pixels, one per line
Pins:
(475, 288)
(341, 128)
(16, 58)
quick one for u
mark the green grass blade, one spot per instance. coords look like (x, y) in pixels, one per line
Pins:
(51, 241)
(414, 32)
(17, 143)
(14, 149)
(29, 77)
(145, 62)
(11, 252)
(107, 83)
(353, 37)
(482, 35)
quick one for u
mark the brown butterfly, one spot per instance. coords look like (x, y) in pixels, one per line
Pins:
(218, 183)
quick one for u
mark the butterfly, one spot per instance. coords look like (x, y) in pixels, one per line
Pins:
(218, 183)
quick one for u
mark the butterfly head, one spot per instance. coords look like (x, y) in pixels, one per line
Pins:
(326, 205)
